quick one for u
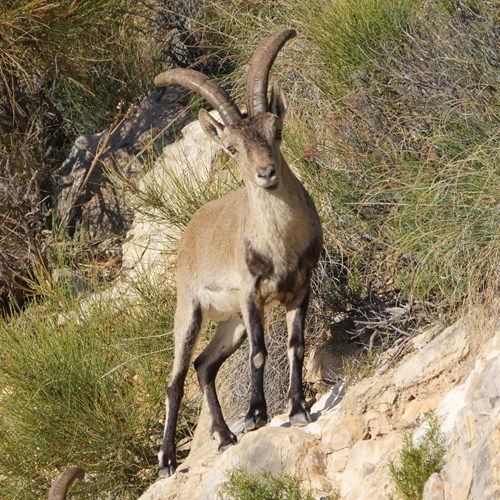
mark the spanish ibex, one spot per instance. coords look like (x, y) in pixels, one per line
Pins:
(241, 253)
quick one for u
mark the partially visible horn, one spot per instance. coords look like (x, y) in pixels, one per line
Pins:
(209, 89)
(63, 481)
(258, 73)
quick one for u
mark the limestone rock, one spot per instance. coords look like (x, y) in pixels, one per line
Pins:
(326, 362)
(417, 408)
(442, 354)
(272, 449)
(84, 195)
(471, 423)
(366, 474)
(347, 452)
(151, 240)
(434, 488)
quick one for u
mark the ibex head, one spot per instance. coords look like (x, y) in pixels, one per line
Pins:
(253, 141)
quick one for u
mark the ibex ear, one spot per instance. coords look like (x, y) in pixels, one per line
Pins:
(210, 125)
(278, 102)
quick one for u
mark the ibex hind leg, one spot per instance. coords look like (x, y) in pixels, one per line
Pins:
(188, 324)
(228, 337)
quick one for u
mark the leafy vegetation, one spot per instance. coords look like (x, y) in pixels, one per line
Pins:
(417, 462)
(84, 384)
(242, 485)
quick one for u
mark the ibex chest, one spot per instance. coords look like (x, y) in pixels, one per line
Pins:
(278, 275)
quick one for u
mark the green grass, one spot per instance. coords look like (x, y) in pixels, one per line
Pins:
(351, 36)
(242, 485)
(417, 462)
(84, 385)
(82, 56)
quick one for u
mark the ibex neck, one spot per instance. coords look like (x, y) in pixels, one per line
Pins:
(276, 211)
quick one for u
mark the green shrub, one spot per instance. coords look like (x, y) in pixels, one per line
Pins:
(417, 462)
(241, 485)
(84, 385)
(83, 57)
(351, 36)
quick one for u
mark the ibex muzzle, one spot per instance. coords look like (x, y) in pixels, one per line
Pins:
(242, 253)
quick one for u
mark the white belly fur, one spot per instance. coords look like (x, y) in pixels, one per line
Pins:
(225, 304)
(221, 305)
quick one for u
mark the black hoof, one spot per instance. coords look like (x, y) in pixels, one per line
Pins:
(227, 441)
(301, 417)
(255, 421)
(166, 471)
(168, 463)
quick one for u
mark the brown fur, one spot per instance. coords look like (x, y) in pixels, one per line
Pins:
(240, 254)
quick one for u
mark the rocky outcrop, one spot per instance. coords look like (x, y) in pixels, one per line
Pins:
(84, 195)
(470, 416)
(152, 239)
(355, 432)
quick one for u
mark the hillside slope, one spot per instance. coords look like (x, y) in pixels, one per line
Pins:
(357, 431)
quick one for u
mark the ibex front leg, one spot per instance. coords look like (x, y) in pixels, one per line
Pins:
(253, 316)
(188, 323)
(295, 318)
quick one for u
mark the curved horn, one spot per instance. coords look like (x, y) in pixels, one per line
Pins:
(258, 73)
(209, 89)
(61, 484)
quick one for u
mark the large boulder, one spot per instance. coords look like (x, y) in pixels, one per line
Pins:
(357, 431)
(85, 196)
(471, 424)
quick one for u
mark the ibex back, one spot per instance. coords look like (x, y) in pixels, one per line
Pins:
(242, 253)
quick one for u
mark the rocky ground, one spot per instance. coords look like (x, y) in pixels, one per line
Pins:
(356, 431)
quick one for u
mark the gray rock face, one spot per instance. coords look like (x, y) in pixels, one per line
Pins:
(448, 349)
(471, 423)
(84, 195)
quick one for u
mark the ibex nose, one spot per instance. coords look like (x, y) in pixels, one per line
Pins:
(266, 173)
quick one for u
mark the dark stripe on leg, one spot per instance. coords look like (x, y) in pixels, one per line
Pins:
(299, 413)
(175, 391)
(257, 414)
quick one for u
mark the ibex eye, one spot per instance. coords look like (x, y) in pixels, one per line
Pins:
(231, 149)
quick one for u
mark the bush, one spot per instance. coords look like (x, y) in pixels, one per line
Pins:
(84, 385)
(417, 462)
(241, 485)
